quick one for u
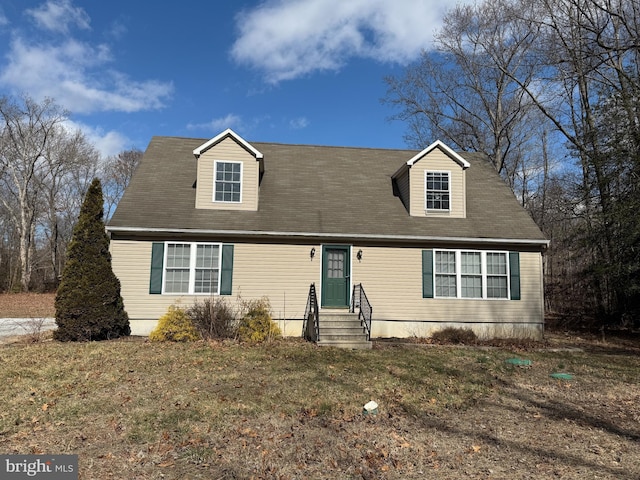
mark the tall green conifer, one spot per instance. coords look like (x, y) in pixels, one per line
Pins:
(88, 301)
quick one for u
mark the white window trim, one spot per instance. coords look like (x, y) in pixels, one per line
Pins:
(436, 210)
(483, 257)
(193, 247)
(215, 169)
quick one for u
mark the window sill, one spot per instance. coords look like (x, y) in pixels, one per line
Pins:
(437, 213)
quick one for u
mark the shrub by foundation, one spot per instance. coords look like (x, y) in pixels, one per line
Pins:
(256, 324)
(214, 319)
(174, 326)
(455, 335)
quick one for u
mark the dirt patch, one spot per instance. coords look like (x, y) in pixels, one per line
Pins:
(27, 305)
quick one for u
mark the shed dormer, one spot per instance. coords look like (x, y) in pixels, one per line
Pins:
(228, 173)
(433, 183)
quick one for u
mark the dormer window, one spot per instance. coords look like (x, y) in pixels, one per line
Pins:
(437, 191)
(228, 182)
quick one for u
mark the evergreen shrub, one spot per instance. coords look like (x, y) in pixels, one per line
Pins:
(88, 303)
(174, 326)
(256, 325)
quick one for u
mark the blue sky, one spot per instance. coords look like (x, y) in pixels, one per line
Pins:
(289, 71)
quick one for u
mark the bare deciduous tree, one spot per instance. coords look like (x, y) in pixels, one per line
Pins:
(457, 94)
(27, 128)
(116, 175)
(39, 162)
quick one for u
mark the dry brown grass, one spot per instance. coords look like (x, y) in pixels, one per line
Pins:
(289, 410)
(27, 305)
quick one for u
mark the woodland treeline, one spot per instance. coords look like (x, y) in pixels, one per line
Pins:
(549, 91)
(45, 171)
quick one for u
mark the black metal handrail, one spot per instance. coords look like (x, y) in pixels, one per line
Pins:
(311, 324)
(360, 301)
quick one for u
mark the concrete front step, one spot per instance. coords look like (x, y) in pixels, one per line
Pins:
(342, 329)
(353, 332)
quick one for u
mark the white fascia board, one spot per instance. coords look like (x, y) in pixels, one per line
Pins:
(355, 236)
(438, 144)
(227, 133)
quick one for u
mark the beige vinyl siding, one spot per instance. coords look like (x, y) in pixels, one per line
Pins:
(438, 161)
(227, 150)
(391, 277)
(402, 182)
(392, 280)
(282, 273)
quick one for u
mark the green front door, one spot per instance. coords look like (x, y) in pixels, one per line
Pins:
(336, 271)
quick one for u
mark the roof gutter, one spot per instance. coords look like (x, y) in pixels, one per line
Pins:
(355, 236)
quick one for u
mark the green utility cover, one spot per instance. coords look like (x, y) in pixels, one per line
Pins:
(521, 362)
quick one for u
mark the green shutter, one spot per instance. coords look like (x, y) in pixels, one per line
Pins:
(514, 270)
(226, 275)
(157, 257)
(427, 274)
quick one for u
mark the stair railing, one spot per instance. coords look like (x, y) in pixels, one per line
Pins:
(311, 324)
(360, 302)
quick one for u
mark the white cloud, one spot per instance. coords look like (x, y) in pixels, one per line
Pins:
(57, 16)
(299, 123)
(108, 143)
(76, 75)
(218, 125)
(4, 21)
(117, 29)
(287, 39)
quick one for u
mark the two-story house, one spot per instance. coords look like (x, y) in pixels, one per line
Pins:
(435, 238)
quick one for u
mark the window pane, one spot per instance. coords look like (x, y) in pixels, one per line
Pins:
(471, 263)
(497, 287)
(177, 281)
(446, 286)
(206, 281)
(178, 255)
(471, 286)
(207, 256)
(496, 264)
(336, 264)
(445, 262)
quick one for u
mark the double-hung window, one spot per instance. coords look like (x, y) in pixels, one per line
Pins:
(192, 268)
(497, 279)
(471, 274)
(446, 277)
(228, 182)
(437, 191)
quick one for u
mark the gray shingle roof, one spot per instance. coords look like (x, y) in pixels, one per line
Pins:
(315, 190)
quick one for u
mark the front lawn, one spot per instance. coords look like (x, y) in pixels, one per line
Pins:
(287, 410)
